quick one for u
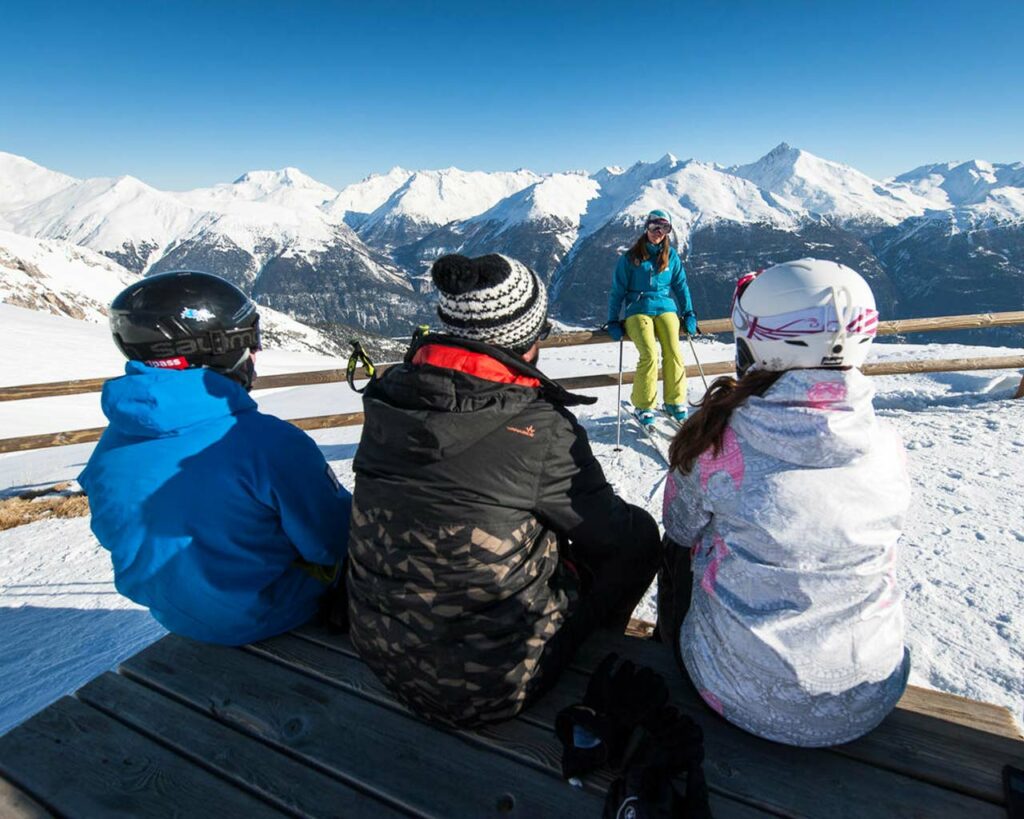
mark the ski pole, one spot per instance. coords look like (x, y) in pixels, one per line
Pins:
(618, 403)
(699, 367)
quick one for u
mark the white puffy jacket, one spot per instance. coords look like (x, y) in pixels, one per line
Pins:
(795, 629)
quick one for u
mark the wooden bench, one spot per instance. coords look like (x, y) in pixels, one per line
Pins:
(299, 726)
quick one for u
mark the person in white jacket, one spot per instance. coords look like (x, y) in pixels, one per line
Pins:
(782, 515)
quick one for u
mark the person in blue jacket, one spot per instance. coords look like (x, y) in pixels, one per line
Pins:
(226, 523)
(651, 283)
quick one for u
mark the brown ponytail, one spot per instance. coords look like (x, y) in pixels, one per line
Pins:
(706, 428)
(638, 253)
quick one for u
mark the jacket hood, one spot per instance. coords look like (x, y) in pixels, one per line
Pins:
(437, 412)
(150, 402)
(816, 417)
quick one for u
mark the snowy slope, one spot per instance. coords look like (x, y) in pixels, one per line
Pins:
(960, 566)
(363, 197)
(830, 188)
(559, 197)
(23, 182)
(985, 188)
(123, 217)
(431, 198)
(58, 277)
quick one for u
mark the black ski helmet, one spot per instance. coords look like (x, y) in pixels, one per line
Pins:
(186, 319)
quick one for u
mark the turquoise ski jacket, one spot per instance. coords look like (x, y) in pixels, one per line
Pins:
(646, 291)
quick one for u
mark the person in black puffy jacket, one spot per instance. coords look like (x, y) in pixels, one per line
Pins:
(486, 543)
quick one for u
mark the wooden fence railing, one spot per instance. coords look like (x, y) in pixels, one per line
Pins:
(266, 382)
(81, 436)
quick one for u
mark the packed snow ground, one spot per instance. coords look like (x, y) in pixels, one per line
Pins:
(62, 622)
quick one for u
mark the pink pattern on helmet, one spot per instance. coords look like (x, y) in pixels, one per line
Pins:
(671, 490)
(712, 700)
(826, 393)
(707, 582)
(729, 460)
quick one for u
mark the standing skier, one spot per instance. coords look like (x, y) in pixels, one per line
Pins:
(486, 542)
(646, 279)
(226, 523)
(782, 519)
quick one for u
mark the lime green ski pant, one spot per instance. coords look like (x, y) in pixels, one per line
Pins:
(643, 331)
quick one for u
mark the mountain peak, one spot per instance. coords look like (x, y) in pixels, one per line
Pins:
(288, 176)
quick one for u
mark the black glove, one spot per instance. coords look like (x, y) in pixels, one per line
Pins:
(671, 744)
(617, 701)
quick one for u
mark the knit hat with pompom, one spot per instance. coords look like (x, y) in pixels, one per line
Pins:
(494, 299)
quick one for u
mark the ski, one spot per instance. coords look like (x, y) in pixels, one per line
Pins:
(654, 435)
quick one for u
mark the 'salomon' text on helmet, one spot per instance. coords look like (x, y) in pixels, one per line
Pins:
(801, 314)
(186, 319)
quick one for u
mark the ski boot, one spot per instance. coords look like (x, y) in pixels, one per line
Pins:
(677, 412)
(644, 416)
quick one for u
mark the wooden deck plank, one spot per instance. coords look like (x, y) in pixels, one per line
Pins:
(982, 716)
(912, 741)
(385, 752)
(776, 778)
(523, 740)
(16, 804)
(85, 764)
(248, 763)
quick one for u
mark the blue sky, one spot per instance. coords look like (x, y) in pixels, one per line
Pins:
(183, 94)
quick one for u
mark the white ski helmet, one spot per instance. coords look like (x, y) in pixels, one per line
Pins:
(801, 314)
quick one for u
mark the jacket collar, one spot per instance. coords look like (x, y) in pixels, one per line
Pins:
(489, 362)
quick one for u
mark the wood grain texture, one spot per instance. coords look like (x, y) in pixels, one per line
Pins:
(85, 764)
(16, 804)
(949, 741)
(775, 778)
(378, 749)
(239, 759)
(525, 741)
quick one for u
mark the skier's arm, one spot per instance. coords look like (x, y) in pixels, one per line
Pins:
(681, 289)
(682, 294)
(618, 291)
(315, 509)
(575, 499)
(684, 509)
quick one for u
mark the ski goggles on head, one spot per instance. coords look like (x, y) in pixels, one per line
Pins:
(659, 225)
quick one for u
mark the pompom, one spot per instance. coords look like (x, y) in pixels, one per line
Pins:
(455, 274)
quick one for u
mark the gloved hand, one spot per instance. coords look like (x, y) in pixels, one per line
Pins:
(616, 329)
(616, 702)
(690, 324)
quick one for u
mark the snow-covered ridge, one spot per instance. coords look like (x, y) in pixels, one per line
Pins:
(806, 181)
(439, 197)
(71, 282)
(136, 223)
(57, 277)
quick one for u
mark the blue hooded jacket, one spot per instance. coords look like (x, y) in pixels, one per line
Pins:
(647, 291)
(205, 505)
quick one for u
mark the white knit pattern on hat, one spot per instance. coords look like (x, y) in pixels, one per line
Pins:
(483, 310)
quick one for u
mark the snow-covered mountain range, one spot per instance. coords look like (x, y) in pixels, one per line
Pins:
(62, 279)
(946, 237)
